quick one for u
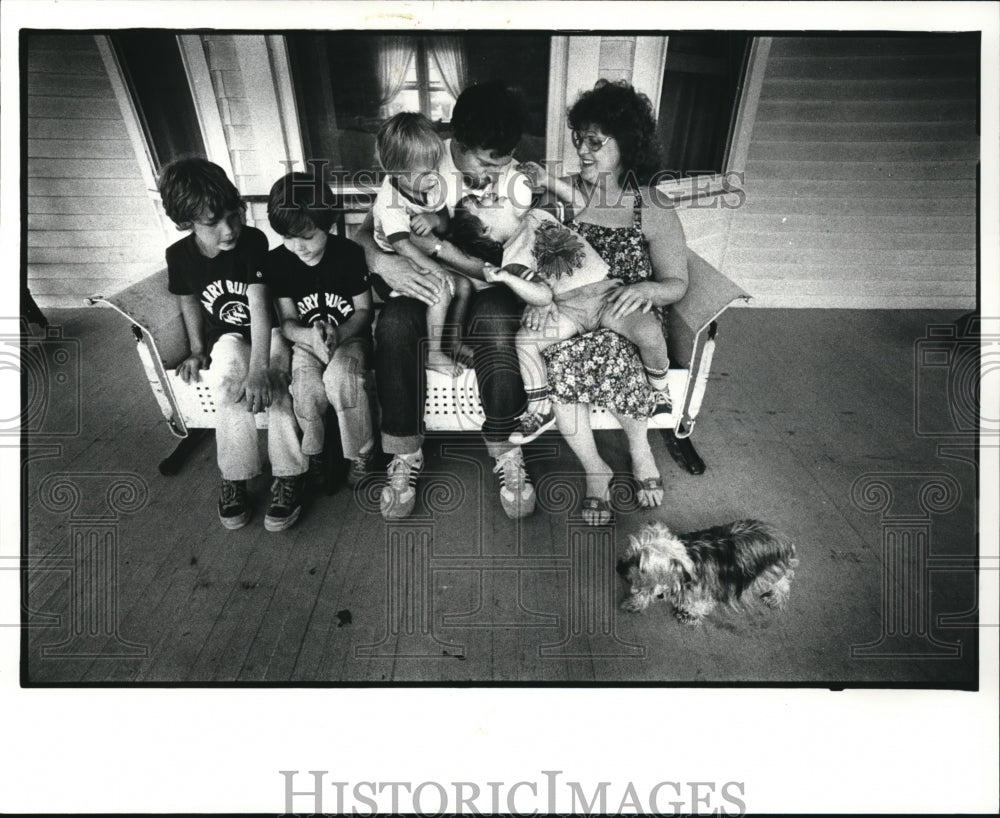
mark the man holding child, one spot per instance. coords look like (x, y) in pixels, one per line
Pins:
(487, 122)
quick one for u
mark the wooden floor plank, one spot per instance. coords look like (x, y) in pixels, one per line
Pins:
(799, 406)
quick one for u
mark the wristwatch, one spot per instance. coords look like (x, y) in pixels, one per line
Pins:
(436, 250)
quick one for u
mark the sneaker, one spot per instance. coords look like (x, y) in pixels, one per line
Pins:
(316, 476)
(399, 497)
(662, 405)
(359, 468)
(531, 425)
(234, 507)
(517, 495)
(285, 504)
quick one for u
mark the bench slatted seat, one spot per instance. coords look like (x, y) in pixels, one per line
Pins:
(452, 405)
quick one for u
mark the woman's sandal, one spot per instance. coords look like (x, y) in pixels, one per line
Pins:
(600, 507)
(650, 484)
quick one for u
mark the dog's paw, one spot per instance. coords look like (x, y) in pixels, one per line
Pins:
(636, 603)
(686, 617)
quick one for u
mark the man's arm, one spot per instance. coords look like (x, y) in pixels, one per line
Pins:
(449, 255)
(397, 271)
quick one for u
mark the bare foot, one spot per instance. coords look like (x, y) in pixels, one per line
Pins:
(596, 506)
(647, 475)
(440, 362)
(465, 355)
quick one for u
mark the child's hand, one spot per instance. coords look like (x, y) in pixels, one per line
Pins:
(190, 368)
(320, 341)
(537, 176)
(536, 318)
(491, 273)
(423, 224)
(257, 391)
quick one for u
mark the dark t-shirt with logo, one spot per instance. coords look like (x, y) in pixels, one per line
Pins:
(220, 283)
(325, 291)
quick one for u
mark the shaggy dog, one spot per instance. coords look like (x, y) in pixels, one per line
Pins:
(739, 563)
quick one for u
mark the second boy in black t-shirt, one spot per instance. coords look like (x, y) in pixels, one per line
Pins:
(325, 307)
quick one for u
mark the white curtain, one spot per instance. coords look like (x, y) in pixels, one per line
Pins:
(449, 54)
(394, 57)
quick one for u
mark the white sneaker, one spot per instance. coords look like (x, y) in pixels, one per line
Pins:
(531, 425)
(398, 498)
(517, 495)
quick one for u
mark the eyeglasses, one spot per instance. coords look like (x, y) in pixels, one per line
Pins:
(594, 142)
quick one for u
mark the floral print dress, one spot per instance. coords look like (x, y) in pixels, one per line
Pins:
(602, 367)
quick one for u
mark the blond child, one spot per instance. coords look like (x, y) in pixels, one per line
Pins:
(411, 201)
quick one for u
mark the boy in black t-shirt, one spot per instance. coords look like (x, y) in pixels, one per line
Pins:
(216, 272)
(325, 307)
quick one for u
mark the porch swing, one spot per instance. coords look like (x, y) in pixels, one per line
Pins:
(452, 405)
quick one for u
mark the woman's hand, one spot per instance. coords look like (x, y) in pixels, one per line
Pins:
(536, 318)
(631, 297)
(190, 368)
(537, 176)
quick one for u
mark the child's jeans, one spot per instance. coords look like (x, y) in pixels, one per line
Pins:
(236, 429)
(340, 384)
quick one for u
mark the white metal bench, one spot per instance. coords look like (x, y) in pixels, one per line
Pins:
(452, 405)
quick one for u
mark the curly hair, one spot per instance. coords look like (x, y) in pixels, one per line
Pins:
(623, 113)
(189, 187)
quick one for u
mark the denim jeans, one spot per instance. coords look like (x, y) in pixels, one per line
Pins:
(236, 430)
(493, 319)
(340, 384)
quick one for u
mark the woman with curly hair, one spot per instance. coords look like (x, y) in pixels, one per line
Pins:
(642, 241)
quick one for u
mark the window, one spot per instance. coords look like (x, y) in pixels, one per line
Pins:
(348, 83)
(154, 74)
(424, 88)
(701, 86)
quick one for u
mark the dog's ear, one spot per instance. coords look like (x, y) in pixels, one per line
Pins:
(634, 547)
(643, 560)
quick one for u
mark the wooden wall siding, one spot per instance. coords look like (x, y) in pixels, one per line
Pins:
(706, 230)
(91, 226)
(234, 108)
(860, 176)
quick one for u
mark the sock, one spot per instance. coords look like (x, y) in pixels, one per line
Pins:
(657, 379)
(538, 399)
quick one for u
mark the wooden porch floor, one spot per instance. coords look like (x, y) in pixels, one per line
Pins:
(132, 580)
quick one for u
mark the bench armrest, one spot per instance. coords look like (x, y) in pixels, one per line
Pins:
(149, 304)
(709, 293)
